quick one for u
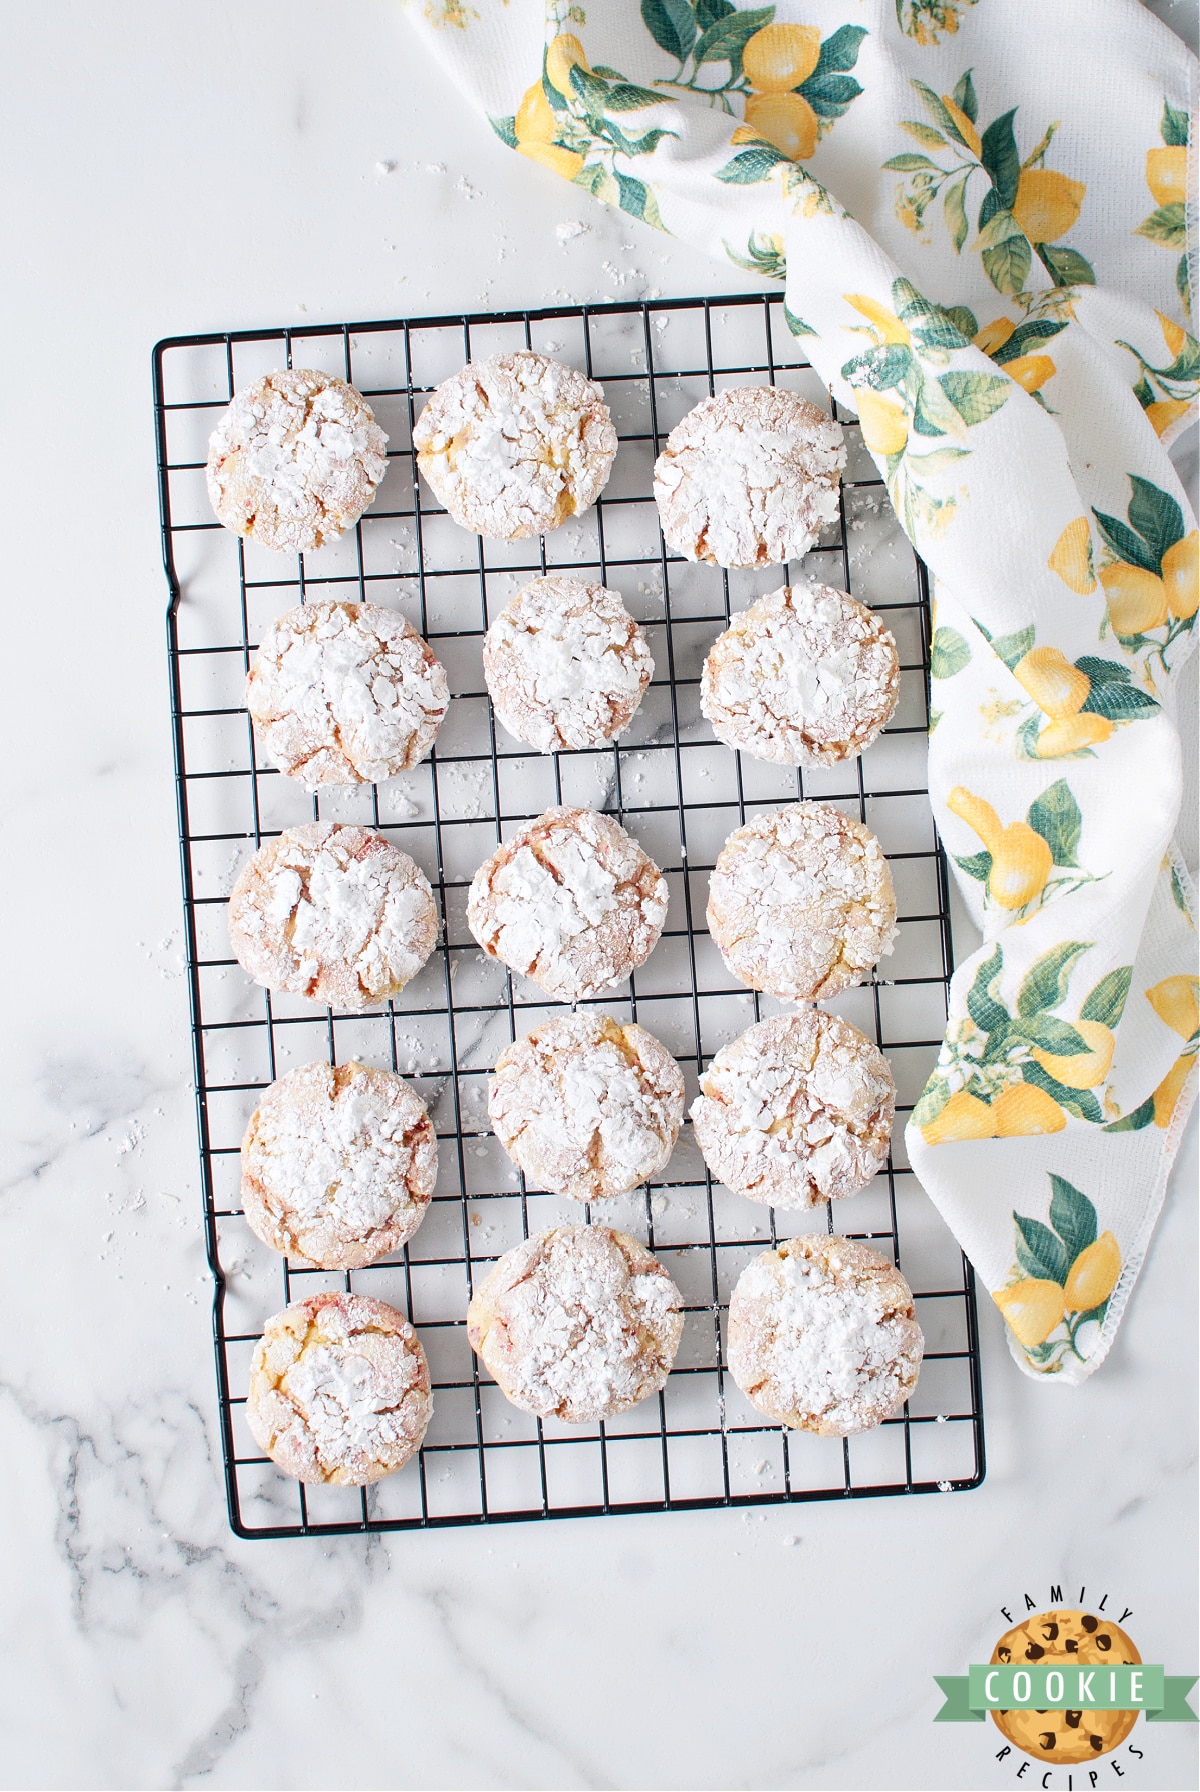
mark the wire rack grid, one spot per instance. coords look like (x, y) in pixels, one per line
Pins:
(699, 1443)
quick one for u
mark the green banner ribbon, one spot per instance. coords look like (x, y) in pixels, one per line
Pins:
(1066, 1686)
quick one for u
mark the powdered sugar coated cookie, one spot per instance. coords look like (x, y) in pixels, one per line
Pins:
(333, 912)
(295, 460)
(749, 478)
(587, 1107)
(565, 664)
(338, 1164)
(806, 676)
(571, 900)
(578, 1323)
(345, 694)
(796, 1111)
(339, 1390)
(823, 1335)
(515, 444)
(800, 902)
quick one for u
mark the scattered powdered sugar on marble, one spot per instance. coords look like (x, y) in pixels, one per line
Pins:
(796, 1111)
(295, 460)
(515, 444)
(800, 903)
(806, 676)
(338, 1164)
(566, 664)
(587, 1107)
(749, 478)
(339, 1390)
(334, 912)
(823, 1335)
(345, 694)
(578, 1323)
(571, 900)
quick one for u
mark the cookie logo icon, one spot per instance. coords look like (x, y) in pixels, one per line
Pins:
(1072, 1638)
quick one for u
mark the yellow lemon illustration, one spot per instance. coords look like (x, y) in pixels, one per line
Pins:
(1032, 1309)
(1082, 1070)
(1174, 335)
(1176, 1000)
(994, 335)
(564, 54)
(978, 815)
(745, 134)
(780, 57)
(888, 324)
(1181, 575)
(1071, 558)
(1056, 686)
(1166, 175)
(1093, 1275)
(1021, 863)
(884, 423)
(1166, 1096)
(1072, 735)
(1137, 599)
(535, 125)
(1023, 1110)
(967, 131)
(1047, 204)
(963, 1117)
(1164, 411)
(786, 120)
(1030, 371)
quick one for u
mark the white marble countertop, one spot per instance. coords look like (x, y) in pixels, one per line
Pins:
(175, 168)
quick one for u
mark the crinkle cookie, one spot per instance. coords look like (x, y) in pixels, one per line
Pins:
(333, 912)
(806, 676)
(823, 1335)
(295, 460)
(515, 444)
(345, 694)
(587, 1107)
(800, 902)
(578, 1323)
(796, 1111)
(571, 900)
(565, 665)
(749, 478)
(338, 1164)
(339, 1390)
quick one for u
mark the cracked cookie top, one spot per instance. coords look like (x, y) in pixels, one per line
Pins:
(515, 444)
(295, 460)
(334, 912)
(800, 902)
(749, 478)
(571, 901)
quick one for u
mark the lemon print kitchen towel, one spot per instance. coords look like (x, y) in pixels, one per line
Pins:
(983, 213)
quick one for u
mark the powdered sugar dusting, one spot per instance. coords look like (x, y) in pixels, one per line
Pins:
(515, 444)
(806, 676)
(796, 1111)
(749, 478)
(339, 1390)
(586, 1107)
(566, 664)
(571, 901)
(333, 912)
(577, 1323)
(345, 694)
(338, 1164)
(800, 903)
(295, 460)
(822, 1335)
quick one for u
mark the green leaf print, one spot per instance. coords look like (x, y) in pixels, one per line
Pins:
(1155, 515)
(1119, 701)
(709, 11)
(1013, 648)
(1045, 983)
(949, 653)
(1072, 1216)
(1125, 544)
(672, 25)
(829, 95)
(1008, 264)
(1137, 1121)
(750, 166)
(955, 207)
(1055, 815)
(963, 320)
(505, 129)
(977, 865)
(1040, 1252)
(1038, 329)
(1174, 126)
(625, 97)
(1106, 1003)
(1066, 266)
(1055, 1036)
(1076, 1101)
(797, 325)
(1167, 224)
(1001, 158)
(840, 50)
(964, 96)
(882, 368)
(909, 163)
(727, 37)
(975, 396)
(982, 1006)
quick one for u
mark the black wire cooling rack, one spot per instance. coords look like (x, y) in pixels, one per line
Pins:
(699, 1443)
